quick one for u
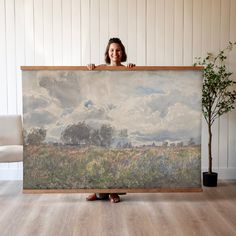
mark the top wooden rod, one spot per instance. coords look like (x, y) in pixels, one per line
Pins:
(121, 68)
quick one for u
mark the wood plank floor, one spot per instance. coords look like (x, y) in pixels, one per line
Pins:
(211, 212)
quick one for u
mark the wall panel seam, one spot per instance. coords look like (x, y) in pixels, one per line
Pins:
(6, 56)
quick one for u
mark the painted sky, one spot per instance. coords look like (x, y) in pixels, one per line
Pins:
(154, 106)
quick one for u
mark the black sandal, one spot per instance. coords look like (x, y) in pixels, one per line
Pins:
(114, 198)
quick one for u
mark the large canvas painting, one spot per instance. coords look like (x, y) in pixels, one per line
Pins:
(112, 129)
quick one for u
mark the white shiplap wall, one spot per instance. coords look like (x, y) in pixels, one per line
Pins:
(155, 32)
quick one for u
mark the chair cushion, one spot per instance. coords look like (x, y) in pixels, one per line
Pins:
(11, 130)
(11, 153)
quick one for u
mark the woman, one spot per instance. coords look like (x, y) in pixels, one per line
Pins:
(114, 55)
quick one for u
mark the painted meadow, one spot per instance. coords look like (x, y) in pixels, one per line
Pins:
(112, 129)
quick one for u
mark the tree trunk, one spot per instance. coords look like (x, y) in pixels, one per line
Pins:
(209, 149)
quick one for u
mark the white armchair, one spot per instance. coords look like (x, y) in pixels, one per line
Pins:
(11, 138)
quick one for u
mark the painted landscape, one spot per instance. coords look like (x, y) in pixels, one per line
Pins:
(112, 129)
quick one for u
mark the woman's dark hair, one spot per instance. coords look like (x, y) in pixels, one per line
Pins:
(118, 41)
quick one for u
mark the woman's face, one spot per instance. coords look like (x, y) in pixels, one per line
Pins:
(115, 53)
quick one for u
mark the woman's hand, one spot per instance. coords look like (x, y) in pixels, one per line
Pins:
(130, 65)
(91, 66)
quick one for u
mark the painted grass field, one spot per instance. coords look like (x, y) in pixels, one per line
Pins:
(67, 167)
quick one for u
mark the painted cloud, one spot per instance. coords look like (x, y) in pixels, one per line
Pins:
(153, 106)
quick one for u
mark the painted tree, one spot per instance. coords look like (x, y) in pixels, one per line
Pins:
(76, 134)
(95, 138)
(36, 136)
(106, 133)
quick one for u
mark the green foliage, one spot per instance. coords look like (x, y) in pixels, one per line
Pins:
(217, 96)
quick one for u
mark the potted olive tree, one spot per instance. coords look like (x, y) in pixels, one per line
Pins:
(218, 98)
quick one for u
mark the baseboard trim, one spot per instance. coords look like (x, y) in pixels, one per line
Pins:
(11, 173)
(224, 173)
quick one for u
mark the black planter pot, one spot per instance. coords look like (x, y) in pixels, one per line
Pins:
(210, 180)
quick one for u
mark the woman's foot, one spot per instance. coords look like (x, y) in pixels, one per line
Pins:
(114, 198)
(92, 197)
